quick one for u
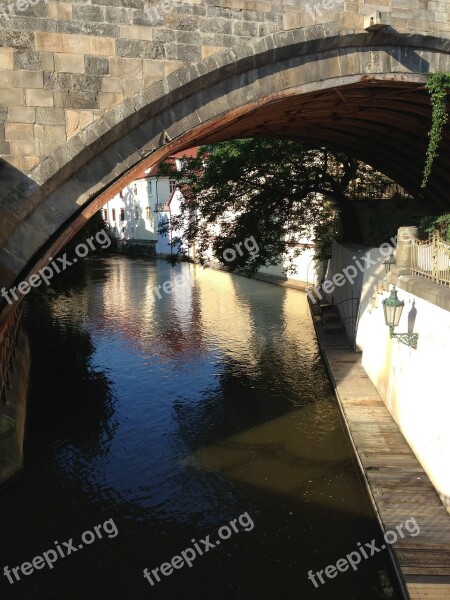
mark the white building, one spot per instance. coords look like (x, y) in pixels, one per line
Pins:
(134, 214)
(130, 214)
(308, 269)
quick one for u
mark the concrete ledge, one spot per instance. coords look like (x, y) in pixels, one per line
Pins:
(274, 279)
(398, 486)
(284, 282)
(135, 247)
(434, 293)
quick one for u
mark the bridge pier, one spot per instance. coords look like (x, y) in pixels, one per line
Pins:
(15, 374)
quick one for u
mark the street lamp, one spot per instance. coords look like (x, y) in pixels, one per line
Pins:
(393, 308)
(389, 263)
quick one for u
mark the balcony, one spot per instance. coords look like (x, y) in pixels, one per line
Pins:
(162, 207)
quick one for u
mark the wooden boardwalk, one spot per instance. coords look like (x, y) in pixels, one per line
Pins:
(399, 487)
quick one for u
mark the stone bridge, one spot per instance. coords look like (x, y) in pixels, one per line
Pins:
(89, 90)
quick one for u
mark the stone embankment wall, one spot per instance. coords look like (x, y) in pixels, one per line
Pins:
(13, 414)
(413, 382)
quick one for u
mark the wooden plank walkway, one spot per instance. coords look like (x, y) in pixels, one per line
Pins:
(399, 487)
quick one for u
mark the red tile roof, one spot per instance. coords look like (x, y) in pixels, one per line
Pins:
(154, 171)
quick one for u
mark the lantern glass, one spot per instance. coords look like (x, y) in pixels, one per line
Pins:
(393, 308)
(389, 263)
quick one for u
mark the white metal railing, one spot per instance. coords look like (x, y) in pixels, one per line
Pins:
(358, 190)
(162, 207)
(431, 259)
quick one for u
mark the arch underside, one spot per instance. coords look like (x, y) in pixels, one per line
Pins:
(381, 121)
(366, 100)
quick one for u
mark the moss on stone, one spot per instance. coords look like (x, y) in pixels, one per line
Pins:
(7, 427)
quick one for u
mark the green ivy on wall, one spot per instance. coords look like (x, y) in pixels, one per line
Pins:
(437, 86)
(441, 224)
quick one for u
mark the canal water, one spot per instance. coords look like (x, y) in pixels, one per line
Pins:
(168, 416)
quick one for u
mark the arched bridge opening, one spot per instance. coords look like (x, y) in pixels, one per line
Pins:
(360, 93)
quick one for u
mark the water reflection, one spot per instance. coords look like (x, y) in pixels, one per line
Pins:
(174, 415)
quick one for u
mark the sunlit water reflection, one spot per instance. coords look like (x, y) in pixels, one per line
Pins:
(172, 416)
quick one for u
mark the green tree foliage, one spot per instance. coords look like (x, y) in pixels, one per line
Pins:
(428, 225)
(384, 225)
(277, 191)
(437, 86)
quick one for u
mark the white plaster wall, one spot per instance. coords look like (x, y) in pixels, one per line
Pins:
(139, 223)
(371, 277)
(305, 265)
(160, 189)
(135, 199)
(115, 224)
(163, 241)
(359, 268)
(163, 244)
(414, 383)
(345, 295)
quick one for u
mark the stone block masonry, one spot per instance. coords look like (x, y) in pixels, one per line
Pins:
(78, 57)
(88, 90)
(90, 56)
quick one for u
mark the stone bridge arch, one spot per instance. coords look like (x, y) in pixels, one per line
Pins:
(355, 91)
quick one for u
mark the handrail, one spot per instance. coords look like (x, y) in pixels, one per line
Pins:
(9, 331)
(431, 259)
(377, 190)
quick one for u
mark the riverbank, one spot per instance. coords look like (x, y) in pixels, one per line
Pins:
(398, 486)
(292, 284)
(173, 415)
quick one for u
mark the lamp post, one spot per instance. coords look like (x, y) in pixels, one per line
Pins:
(393, 308)
(389, 263)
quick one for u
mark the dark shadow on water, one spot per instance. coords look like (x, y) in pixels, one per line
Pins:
(261, 435)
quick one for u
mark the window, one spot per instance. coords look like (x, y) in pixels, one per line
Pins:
(105, 214)
(181, 163)
(122, 214)
(149, 188)
(148, 213)
(172, 185)
(136, 213)
(114, 214)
